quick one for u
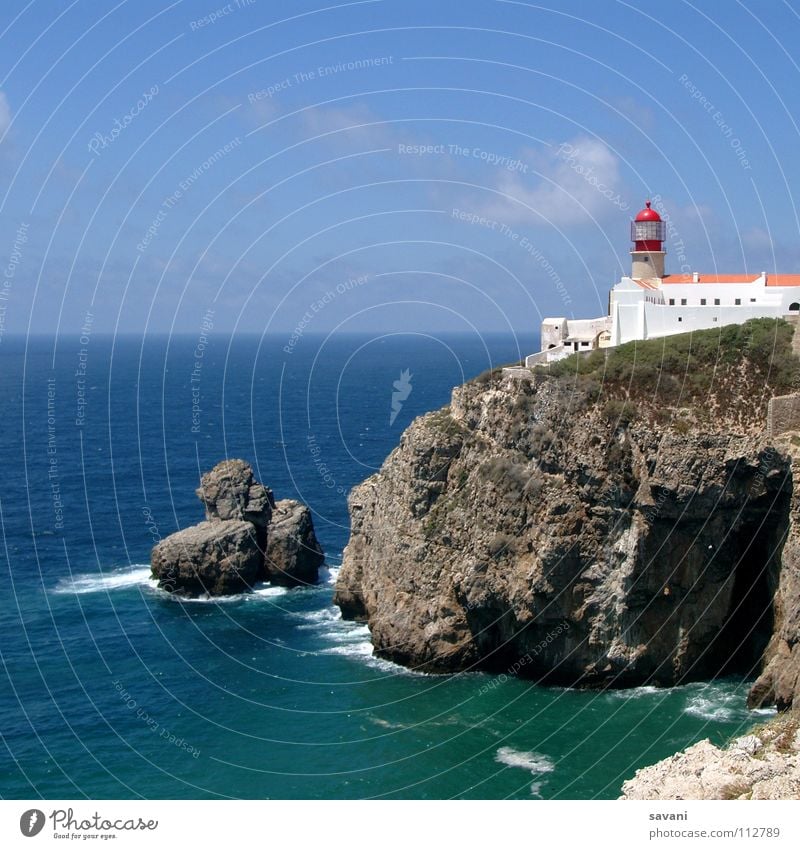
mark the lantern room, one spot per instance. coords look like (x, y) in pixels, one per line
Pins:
(648, 233)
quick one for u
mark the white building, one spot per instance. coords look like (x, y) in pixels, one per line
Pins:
(650, 304)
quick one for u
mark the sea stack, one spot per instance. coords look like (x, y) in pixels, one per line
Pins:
(247, 538)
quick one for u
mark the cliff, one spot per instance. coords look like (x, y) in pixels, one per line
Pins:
(764, 764)
(619, 520)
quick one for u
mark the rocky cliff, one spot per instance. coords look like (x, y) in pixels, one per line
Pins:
(619, 520)
(764, 764)
(247, 537)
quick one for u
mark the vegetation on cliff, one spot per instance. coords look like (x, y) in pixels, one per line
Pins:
(738, 367)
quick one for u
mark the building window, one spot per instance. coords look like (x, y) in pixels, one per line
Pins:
(702, 302)
(672, 302)
(683, 302)
(716, 303)
(738, 302)
(715, 318)
(752, 300)
(680, 318)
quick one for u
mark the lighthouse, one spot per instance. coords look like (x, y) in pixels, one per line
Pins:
(650, 304)
(647, 254)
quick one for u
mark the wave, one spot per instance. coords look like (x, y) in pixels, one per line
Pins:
(637, 692)
(328, 574)
(351, 639)
(138, 575)
(720, 702)
(119, 579)
(328, 622)
(321, 618)
(266, 591)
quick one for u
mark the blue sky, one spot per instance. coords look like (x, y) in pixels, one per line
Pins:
(457, 166)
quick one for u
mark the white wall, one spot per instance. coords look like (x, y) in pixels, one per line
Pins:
(641, 313)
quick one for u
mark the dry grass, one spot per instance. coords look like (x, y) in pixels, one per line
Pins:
(736, 790)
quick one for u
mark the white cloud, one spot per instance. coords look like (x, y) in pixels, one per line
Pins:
(5, 113)
(356, 124)
(575, 180)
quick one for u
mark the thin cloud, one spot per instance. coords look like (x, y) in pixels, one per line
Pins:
(5, 113)
(576, 180)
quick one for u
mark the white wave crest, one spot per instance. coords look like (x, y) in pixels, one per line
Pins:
(637, 692)
(266, 591)
(328, 574)
(136, 575)
(717, 702)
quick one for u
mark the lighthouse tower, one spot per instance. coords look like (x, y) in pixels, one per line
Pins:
(648, 235)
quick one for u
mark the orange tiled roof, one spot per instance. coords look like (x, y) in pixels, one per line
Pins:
(772, 279)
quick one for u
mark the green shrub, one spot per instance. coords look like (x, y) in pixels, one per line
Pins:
(620, 413)
(686, 364)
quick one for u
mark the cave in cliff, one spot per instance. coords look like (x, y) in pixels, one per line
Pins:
(739, 646)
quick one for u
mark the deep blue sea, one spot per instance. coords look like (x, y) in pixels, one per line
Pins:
(110, 688)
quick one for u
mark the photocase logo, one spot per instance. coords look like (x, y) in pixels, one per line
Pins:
(31, 822)
(402, 389)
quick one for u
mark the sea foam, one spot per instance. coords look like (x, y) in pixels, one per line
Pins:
(534, 762)
(119, 579)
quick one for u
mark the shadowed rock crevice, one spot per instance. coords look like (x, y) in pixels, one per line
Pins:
(745, 635)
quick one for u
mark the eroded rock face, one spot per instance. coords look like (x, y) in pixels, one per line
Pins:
(779, 683)
(245, 539)
(523, 528)
(211, 558)
(293, 553)
(762, 765)
(230, 491)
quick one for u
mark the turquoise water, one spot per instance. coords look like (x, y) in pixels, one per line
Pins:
(112, 689)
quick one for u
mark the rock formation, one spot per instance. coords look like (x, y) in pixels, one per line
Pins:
(614, 527)
(762, 765)
(230, 491)
(293, 553)
(247, 538)
(214, 558)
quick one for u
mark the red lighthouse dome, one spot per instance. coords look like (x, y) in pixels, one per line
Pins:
(647, 230)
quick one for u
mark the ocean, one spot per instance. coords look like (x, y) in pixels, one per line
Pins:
(113, 689)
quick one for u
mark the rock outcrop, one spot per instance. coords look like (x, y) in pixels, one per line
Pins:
(214, 558)
(764, 764)
(583, 534)
(247, 538)
(230, 491)
(293, 553)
